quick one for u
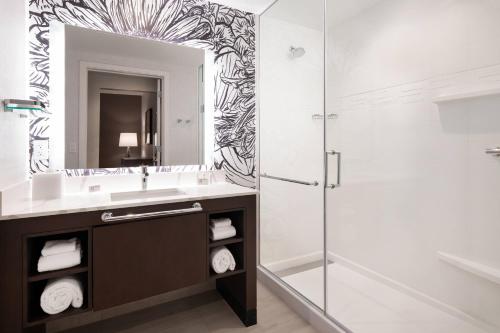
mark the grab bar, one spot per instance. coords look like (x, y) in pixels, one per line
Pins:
(493, 151)
(314, 183)
(108, 216)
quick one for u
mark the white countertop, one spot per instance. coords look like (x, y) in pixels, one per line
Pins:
(86, 202)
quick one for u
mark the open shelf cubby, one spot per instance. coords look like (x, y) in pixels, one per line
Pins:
(34, 246)
(237, 218)
(34, 312)
(35, 281)
(238, 252)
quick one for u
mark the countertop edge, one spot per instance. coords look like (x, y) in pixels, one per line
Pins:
(108, 206)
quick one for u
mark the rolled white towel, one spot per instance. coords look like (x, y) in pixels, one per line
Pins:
(222, 233)
(220, 222)
(60, 261)
(60, 246)
(59, 294)
(222, 260)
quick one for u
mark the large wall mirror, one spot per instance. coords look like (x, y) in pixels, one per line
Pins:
(90, 60)
(128, 101)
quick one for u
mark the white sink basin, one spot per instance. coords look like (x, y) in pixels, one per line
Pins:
(119, 196)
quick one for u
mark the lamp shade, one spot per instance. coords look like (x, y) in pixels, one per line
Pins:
(128, 140)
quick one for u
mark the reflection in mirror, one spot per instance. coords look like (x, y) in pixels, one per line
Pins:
(128, 101)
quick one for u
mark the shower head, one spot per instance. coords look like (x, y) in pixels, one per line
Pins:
(296, 52)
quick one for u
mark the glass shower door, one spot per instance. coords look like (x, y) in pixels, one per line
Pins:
(413, 105)
(291, 145)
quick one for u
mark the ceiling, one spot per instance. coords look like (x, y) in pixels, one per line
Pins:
(252, 6)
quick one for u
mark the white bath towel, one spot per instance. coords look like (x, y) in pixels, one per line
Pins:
(60, 261)
(59, 294)
(60, 246)
(222, 260)
(220, 222)
(222, 233)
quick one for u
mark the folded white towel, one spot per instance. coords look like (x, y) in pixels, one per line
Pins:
(60, 261)
(222, 260)
(59, 294)
(220, 222)
(60, 246)
(222, 233)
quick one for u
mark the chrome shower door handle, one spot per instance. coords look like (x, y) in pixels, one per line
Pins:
(339, 166)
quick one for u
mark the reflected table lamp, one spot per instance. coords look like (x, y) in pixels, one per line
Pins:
(128, 140)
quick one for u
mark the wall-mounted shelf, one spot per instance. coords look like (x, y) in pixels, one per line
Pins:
(487, 272)
(465, 95)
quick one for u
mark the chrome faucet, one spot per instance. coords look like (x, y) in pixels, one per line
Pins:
(145, 175)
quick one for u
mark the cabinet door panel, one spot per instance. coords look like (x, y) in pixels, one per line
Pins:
(140, 259)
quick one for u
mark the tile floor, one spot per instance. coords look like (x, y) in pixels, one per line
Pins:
(204, 313)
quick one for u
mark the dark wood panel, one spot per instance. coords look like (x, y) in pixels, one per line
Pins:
(10, 279)
(145, 258)
(238, 288)
(118, 114)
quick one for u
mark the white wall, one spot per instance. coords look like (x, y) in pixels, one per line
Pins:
(416, 179)
(13, 84)
(15, 139)
(291, 92)
(181, 138)
(13, 80)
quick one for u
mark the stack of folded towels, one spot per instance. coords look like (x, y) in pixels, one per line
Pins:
(222, 260)
(221, 229)
(60, 254)
(59, 294)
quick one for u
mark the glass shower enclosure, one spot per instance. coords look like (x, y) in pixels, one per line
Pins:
(379, 128)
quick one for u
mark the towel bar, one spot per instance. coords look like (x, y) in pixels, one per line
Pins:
(108, 216)
(265, 175)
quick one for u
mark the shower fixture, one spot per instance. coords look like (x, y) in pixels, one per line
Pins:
(493, 151)
(296, 52)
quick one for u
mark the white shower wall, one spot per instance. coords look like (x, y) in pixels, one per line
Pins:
(416, 180)
(291, 92)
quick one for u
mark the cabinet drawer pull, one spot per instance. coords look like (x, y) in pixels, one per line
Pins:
(108, 216)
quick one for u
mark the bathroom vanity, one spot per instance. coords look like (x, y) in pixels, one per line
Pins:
(132, 250)
(123, 102)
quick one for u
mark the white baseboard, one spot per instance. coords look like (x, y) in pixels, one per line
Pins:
(410, 291)
(314, 316)
(282, 265)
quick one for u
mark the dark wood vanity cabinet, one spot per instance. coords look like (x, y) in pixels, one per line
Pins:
(128, 260)
(140, 259)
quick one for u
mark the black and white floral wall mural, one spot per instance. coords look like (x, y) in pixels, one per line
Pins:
(228, 32)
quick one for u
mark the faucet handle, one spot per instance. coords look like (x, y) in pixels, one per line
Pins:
(144, 169)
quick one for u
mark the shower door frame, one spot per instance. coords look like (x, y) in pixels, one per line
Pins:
(324, 311)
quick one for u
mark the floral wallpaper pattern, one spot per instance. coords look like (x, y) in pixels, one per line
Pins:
(228, 32)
